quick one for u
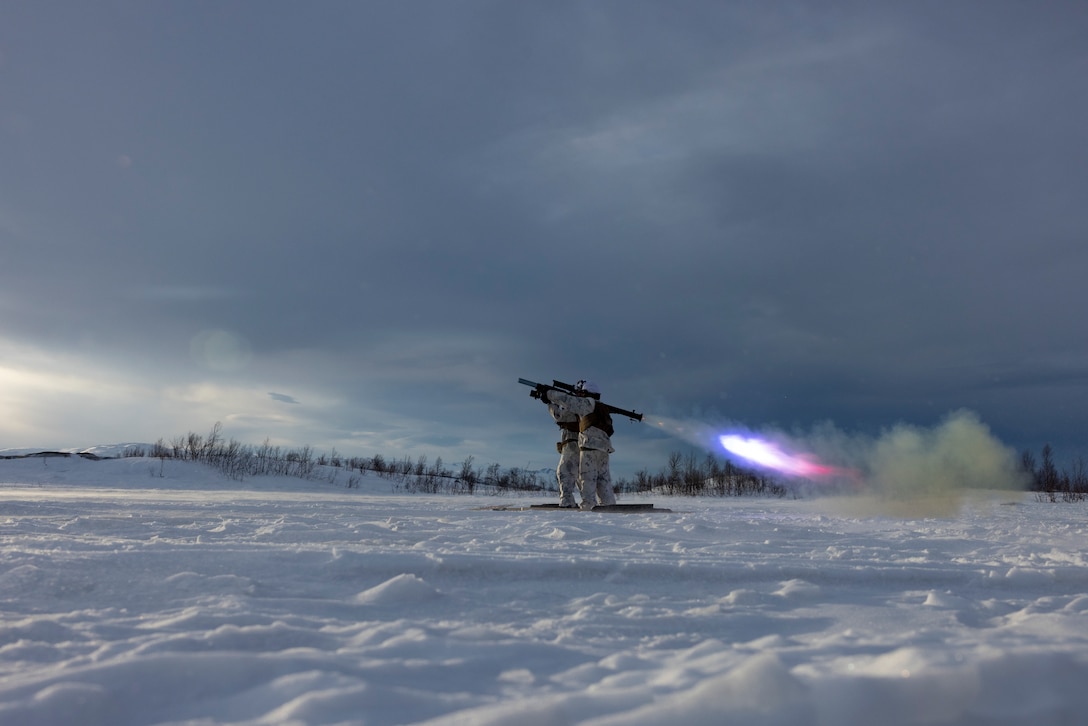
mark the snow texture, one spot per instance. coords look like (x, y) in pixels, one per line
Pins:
(134, 591)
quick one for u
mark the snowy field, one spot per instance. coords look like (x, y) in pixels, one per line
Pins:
(127, 597)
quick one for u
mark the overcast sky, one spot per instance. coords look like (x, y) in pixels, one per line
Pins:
(357, 224)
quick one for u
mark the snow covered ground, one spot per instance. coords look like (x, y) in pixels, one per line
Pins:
(131, 594)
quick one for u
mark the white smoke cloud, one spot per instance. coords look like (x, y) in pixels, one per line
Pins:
(924, 471)
(959, 454)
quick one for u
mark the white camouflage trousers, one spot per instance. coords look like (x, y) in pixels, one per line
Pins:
(567, 473)
(594, 478)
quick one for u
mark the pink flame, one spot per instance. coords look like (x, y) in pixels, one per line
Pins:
(770, 456)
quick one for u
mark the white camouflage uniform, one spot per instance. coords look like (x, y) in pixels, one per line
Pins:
(594, 477)
(567, 471)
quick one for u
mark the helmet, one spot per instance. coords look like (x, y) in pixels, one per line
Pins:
(587, 388)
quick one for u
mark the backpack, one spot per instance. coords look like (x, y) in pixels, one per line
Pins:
(599, 417)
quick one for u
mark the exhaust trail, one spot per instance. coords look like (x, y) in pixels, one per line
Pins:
(771, 451)
(904, 463)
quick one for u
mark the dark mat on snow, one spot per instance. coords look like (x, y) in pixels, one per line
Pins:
(611, 508)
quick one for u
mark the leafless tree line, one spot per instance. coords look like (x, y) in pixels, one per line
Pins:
(1052, 484)
(239, 461)
(416, 475)
(689, 476)
(235, 459)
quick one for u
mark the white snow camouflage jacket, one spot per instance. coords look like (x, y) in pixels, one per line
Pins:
(591, 438)
(564, 417)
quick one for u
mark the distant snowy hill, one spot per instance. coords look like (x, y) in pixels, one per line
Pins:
(110, 451)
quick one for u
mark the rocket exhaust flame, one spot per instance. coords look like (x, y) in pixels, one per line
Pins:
(768, 455)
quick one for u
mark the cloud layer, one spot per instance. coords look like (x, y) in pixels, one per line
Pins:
(759, 212)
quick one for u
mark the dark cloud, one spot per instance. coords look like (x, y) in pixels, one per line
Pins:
(282, 397)
(766, 212)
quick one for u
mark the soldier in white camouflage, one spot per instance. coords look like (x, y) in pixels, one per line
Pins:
(594, 442)
(566, 474)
